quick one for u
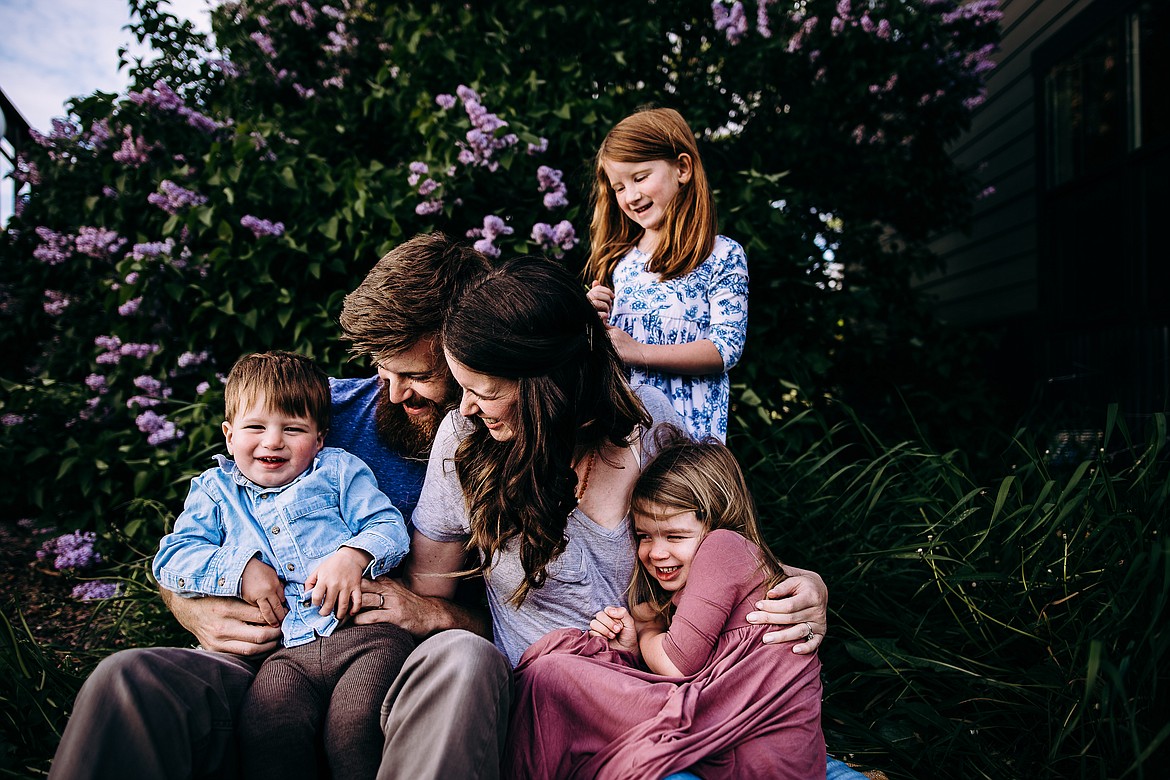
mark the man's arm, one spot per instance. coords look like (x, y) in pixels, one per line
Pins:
(223, 624)
(802, 598)
(423, 603)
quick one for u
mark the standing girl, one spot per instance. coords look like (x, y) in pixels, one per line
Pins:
(673, 291)
(680, 679)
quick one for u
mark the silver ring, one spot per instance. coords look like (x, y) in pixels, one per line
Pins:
(382, 601)
(808, 637)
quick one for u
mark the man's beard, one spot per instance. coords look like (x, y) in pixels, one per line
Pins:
(409, 435)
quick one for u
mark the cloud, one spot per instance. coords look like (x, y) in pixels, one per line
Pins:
(51, 52)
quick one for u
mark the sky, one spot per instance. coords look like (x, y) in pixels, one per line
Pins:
(53, 50)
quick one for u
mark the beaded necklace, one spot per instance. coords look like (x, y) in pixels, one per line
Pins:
(585, 480)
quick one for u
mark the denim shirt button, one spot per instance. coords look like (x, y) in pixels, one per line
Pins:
(275, 529)
(222, 581)
(182, 582)
(290, 567)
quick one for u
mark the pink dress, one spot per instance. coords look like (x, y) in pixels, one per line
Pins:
(743, 709)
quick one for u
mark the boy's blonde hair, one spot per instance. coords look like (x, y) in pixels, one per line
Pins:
(705, 478)
(689, 226)
(290, 383)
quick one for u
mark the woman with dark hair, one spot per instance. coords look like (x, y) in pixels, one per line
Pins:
(530, 483)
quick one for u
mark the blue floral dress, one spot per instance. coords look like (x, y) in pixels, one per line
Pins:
(708, 303)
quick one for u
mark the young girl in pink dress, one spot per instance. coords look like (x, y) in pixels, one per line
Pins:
(678, 680)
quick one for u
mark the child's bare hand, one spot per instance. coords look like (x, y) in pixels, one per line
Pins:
(602, 299)
(616, 625)
(261, 586)
(337, 582)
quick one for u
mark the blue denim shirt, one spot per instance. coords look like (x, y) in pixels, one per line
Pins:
(227, 520)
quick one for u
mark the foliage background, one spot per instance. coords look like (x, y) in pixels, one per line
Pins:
(228, 202)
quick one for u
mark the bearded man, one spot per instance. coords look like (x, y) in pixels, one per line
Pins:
(170, 712)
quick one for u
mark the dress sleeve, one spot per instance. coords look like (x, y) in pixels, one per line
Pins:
(723, 573)
(380, 529)
(727, 294)
(441, 514)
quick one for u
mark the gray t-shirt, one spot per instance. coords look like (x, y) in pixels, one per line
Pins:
(592, 573)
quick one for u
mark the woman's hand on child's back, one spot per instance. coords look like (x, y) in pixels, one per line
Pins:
(337, 582)
(261, 586)
(602, 299)
(616, 625)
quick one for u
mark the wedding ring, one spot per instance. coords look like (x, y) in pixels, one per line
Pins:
(808, 637)
(382, 603)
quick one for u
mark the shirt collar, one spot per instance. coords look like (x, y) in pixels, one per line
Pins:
(233, 473)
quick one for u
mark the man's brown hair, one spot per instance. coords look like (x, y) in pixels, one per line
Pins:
(404, 296)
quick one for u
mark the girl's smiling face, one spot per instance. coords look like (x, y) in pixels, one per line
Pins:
(668, 539)
(492, 399)
(644, 190)
(270, 447)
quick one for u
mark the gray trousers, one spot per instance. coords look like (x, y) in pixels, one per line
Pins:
(170, 713)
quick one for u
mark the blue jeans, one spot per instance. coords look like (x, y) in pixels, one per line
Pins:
(834, 770)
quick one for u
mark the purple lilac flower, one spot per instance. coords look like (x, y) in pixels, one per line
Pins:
(202, 388)
(158, 428)
(538, 148)
(445, 101)
(110, 192)
(140, 351)
(980, 12)
(113, 354)
(11, 419)
(762, 26)
(149, 385)
(226, 67)
(844, 8)
(55, 303)
(55, 247)
(304, 92)
(732, 23)
(192, 359)
(26, 172)
(142, 402)
(481, 139)
(130, 307)
(97, 383)
(427, 187)
(305, 16)
(883, 29)
(100, 133)
(550, 183)
(555, 240)
(262, 227)
(173, 198)
(98, 242)
(160, 96)
(71, 551)
(493, 228)
(418, 167)
(340, 40)
(428, 207)
(95, 589)
(134, 150)
(148, 250)
(265, 44)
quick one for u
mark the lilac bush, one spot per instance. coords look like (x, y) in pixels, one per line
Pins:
(231, 196)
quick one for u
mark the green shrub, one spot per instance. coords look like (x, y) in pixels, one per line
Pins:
(1015, 629)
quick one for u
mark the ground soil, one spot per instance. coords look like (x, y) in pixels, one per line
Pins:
(43, 596)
